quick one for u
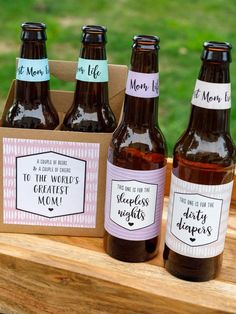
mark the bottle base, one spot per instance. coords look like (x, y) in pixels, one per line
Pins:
(188, 277)
(191, 269)
(130, 251)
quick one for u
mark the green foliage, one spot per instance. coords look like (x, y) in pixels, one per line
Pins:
(182, 25)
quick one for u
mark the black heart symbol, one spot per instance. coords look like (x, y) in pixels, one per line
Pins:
(131, 223)
(192, 239)
(51, 209)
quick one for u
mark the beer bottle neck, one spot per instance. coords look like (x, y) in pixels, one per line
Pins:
(33, 50)
(144, 60)
(30, 91)
(140, 112)
(92, 95)
(94, 51)
(211, 120)
(214, 72)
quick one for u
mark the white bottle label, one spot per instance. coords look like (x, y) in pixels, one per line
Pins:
(90, 70)
(197, 218)
(123, 195)
(212, 95)
(32, 70)
(134, 201)
(143, 85)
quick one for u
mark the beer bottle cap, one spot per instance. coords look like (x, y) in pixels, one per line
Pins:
(33, 31)
(94, 34)
(216, 51)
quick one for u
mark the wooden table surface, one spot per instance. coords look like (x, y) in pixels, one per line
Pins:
(60, 274)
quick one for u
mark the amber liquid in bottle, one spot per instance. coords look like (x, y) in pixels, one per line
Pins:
(204, 155)
(90, 111)
(32, 107)
(138, 144)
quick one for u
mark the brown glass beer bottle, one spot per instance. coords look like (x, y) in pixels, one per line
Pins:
(136, 163)
(202, 177)
(90, 111)
(32, 107)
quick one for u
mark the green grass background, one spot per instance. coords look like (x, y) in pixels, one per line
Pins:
(182, 25)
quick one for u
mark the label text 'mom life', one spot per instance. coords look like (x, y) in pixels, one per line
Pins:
(30, 71)
(206, 96)
(136, 87)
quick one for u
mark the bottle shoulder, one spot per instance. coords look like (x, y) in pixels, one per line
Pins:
(146, 139)
(137, 149)
(90, 119)
(209, 147)
(36, 115)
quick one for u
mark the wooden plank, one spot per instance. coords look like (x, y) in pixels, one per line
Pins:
(45, 272)
(31, 288)
(73, 275)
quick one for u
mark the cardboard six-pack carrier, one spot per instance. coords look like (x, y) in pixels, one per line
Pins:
(53, 182)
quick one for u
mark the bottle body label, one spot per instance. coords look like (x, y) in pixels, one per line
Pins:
(89, 70)
(212, 95)
(143, 85)
(33, 70)
(197, 218)
(134, 201)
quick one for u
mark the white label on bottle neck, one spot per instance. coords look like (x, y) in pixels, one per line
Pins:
(90, 70)
(212, 95)
(32, 70)
(143, 85)
(197, 218)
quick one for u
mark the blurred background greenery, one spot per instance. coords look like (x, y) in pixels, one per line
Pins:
(182, 25)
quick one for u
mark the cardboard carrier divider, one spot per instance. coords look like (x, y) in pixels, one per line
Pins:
(53, 181)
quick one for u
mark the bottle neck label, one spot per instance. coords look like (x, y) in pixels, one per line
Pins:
(33, 70)
(212, 95)
(89, 70)
(197, 218)
(143, 85)
(134, 202)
